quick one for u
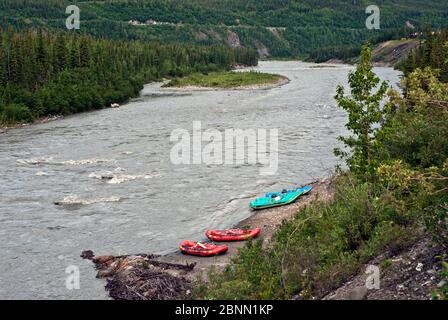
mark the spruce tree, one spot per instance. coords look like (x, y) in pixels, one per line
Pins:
(60, 53)
(74, 55)
(84, 54)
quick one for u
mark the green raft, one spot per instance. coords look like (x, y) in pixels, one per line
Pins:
(279, 198)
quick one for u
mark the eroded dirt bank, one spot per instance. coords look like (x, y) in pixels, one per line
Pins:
(413, 274)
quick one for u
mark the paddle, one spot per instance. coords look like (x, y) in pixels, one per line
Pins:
(201, 245)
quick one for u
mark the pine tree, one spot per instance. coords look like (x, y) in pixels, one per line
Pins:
(84, 54)
(444, 71)
(60, 53)
(41, 59)
(74, 55)
(15, 62)
(431, 53)
(3, 61)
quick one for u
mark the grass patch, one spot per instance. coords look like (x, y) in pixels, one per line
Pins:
(12, 114)
(386, 263)
(225, 80)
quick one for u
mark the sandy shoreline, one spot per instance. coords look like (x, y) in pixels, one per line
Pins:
(146, 277)
(281, 82)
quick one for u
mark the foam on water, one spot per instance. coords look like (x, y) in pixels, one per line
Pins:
(74, 200)
(51, 161)
(42, 173)
(112, 177)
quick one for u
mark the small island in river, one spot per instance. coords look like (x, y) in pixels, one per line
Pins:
(227, 80)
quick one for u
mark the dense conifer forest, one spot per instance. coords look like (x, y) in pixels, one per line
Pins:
(284, 27)
(433, 53)
(50, 73)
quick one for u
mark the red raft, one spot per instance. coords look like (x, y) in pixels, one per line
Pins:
(202, 249)
(232, 234)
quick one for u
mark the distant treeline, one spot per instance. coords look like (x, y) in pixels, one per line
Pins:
(296, 27)
(348, 52)
(341, 53)
(47, 73)
(267, 13)
(433, 52)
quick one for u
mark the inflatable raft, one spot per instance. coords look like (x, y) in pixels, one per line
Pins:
(276, 199)
(202, 249)
(232, 234)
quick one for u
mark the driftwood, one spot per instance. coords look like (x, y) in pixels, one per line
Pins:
(142, 277)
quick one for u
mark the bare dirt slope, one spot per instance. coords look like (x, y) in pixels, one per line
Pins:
(389, 53)
(413, 274)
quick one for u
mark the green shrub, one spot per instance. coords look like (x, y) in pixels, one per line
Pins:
(253, 274)
(442, 290)
(16, 113)
(326, 243)
(318, 249)
(416, 126)
(436, 221)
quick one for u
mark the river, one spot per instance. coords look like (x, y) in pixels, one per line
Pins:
(122, 193)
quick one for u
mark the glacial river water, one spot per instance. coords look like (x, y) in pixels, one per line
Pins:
(122, 194)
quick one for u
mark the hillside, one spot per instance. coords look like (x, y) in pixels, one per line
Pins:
(387, 54)
(391, 52)
(277, 28)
